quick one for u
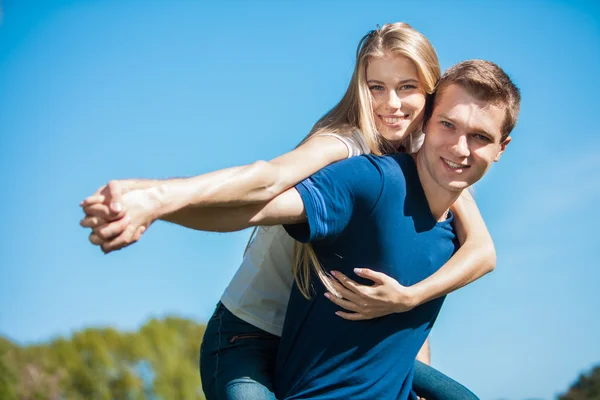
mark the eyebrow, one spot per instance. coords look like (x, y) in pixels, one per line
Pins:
(409, 80)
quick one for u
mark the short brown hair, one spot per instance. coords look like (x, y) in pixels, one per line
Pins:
(486, 81)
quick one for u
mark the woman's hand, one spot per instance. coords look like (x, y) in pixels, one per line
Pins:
(385, 296)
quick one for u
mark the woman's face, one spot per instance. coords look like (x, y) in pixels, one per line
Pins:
(398, 96)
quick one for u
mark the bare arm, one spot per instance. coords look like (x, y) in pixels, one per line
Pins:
(184, 201)
(254, 183)
(142, 210)
(250, 184)
(286, 208)
(475, 257)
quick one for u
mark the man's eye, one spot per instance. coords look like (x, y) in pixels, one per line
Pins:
(483, 138)
(377, 88)
(447, 124)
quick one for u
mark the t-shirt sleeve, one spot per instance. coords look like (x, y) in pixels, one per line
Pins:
(333, 195)
(353, 141)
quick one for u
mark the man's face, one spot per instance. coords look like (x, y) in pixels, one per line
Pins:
(462, 138)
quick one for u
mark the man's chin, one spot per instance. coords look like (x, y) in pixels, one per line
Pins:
(457, 186)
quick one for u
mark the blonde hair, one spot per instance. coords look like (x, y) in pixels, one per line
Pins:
(354, 112)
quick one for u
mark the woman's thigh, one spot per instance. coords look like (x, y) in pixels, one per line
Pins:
(237, 359)
(431, 384)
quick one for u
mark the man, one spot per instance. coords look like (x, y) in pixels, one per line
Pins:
(390, 213)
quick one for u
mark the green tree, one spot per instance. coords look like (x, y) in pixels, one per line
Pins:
(587, 387)
(8, 378)
(160, 361)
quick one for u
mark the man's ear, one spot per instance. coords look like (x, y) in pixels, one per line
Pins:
(502, 148)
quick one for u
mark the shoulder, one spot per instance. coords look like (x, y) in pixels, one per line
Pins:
(360, 169)
(396, 162)
(368, 167)
(356, 180)
(357, 142)
(352, 138)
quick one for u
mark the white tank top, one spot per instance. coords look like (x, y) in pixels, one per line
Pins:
(260, 289)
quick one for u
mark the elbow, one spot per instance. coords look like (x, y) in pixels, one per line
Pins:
(488, 258)
(266, 175)
(482, 255)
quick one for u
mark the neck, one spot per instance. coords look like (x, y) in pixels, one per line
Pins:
(438, 198)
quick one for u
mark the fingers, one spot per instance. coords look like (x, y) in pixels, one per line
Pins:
(347, 282)
(93, 199)
(94, 239)
(343, 303)
(123, 240)
(128, 237)
(139, 233)
(110, 196)
(347, 294)
(112, 229)
(102, 211)
(371, 275)
(351, 316)
(97, 210)
(114, 193)
(92, 222)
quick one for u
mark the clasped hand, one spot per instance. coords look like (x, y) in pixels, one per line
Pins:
(118, 215)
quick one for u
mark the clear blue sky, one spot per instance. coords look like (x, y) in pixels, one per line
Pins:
(94, 90)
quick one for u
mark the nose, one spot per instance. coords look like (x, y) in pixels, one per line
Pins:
(461, 147)
(393, 100)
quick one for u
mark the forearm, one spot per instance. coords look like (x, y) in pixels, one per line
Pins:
(214, 219)
(255, 183)
(467, 265)
(475, 257)
(287, 208)
(248, 184)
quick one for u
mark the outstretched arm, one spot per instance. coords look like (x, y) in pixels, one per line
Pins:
(287, 208)
(254, 183)
(183, 200)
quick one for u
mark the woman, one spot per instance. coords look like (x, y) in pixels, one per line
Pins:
(396, 71)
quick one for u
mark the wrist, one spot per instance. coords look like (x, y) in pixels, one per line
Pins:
(159, 202)
(413, 297)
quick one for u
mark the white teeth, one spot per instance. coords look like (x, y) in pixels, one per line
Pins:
(391, 120)
(453, 165)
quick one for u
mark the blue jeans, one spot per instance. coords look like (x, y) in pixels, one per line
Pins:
(237, 359)
(431, 384)
(237, 362)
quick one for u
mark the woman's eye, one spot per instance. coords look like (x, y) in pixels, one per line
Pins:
(376, 88)
(407, 87)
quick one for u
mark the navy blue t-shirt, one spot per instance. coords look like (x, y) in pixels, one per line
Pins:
(371, 212)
